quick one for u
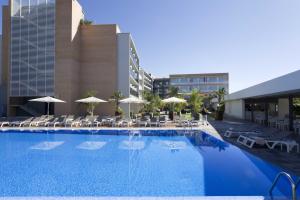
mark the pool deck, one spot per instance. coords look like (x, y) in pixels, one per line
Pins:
(206, 128)
(147, 198)
(287, 161)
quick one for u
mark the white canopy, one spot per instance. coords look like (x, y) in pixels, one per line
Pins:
(133, 100)
(174, 100)
(91, 100)
(48, 100)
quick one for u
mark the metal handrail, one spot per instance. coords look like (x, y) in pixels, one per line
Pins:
(293, 185)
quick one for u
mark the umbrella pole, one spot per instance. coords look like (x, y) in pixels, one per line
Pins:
(129, 111)
(48, 108)
(92, 113)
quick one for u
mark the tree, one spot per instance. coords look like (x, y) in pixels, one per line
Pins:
(90, 107)
(173, 92)
(195, 102)
(220, 94)
(85, 22)
(154, 103)
(116, 97)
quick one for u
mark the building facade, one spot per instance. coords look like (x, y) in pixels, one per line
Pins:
(161, 87)
(48, 50)
(146, 82)
(205, 83)
(267, 102)
(2, 89)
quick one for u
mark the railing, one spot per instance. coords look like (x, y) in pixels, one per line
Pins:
(292, 183)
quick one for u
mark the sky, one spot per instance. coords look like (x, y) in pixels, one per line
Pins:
(252, 40)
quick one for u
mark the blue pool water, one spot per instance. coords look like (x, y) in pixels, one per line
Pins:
(68, 164)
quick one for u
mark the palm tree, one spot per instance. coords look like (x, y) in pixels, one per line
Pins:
(116, 97)
(90, 106)
(173, 91)
(154, 103)
(220, 94)
(195, 102)
(86, 22)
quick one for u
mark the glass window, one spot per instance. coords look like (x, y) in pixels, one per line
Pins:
(32, 47)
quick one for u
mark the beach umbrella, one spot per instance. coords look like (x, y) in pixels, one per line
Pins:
(173, 100)
(91, 100)
(133, 100)
(47, 100)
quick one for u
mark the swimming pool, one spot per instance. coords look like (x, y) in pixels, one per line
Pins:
(116, 163)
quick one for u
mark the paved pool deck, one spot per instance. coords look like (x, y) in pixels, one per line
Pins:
(289, 162)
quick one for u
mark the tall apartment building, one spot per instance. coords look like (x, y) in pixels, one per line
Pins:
(146, 82)
(48, 51)
(206, 83)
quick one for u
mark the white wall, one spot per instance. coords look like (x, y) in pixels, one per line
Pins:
(235, 108)
(123, 69)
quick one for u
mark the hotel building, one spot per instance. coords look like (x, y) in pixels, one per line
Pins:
(49, 51)
(186, 83)
(205, 83)
(161, 87)
(146, 82)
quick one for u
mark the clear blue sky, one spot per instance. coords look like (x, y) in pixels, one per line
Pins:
(253, 40)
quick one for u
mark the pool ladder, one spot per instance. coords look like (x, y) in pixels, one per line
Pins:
(293, 184)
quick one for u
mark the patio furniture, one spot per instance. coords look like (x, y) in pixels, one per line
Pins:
(282, 124)
(236, 134)
(154, 121)
(271, 143)
(21, 123)
(143, 122)
(59, 122)
(4, 123)
(125, 123)
(162, 121)
(42, 121)
(68, 121)
(46, 123)
(289, 144)
(36, 120)
(89, 120)
(76, 122)
(250, 141)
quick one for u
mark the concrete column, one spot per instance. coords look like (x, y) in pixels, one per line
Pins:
(252, 112)
(291, 116)
(266, 113)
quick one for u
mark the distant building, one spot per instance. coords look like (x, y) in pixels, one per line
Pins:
(48, 50)
(205, 83)
(161, 87)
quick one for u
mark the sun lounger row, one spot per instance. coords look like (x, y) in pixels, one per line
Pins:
(88, 121)
(252, 138)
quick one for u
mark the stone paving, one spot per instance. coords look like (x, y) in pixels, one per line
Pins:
(289, 162)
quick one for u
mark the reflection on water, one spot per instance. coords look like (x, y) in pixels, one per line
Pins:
(203, 139)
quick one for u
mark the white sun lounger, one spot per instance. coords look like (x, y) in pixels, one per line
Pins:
(289, 144)
(4, 123)
(250, 141)
(235, 134)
